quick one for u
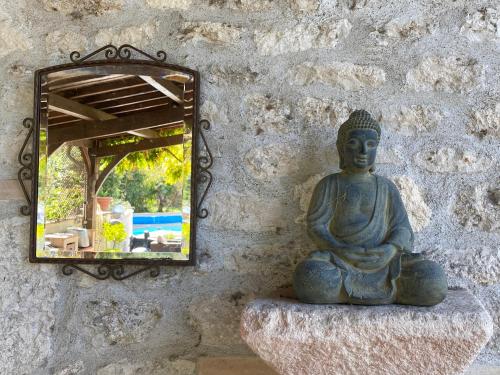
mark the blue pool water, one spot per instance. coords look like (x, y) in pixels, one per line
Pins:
(154, 222)
(137, 230)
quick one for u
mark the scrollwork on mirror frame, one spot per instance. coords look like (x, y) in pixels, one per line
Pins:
(26, 171)
(111, 52)
(115, 271)
(204, 163)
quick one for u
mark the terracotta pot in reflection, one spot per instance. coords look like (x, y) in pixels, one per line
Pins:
(104, 202)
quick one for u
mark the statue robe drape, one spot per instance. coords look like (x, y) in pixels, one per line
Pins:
(388, 225)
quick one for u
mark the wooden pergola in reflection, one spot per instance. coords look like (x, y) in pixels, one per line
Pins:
(97, 109)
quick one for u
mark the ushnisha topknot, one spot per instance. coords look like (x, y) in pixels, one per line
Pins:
(359, 119)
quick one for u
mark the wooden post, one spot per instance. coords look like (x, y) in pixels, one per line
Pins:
(91, 207)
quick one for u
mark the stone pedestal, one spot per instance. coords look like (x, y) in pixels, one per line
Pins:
(300, 339)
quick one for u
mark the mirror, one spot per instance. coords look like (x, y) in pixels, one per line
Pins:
(114, 176)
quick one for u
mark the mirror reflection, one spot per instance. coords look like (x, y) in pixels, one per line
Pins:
(115, 163)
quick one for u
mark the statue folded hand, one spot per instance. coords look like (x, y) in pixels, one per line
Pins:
(369, 259)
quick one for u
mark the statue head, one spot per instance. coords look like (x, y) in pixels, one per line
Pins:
(357, 142)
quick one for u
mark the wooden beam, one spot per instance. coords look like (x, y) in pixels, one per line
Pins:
(105, 88)
(75, 109)
(84, 82)
(94, 129)
(167, 88)
(146, 144)
(85, 112)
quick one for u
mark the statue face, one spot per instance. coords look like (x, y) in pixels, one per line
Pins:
(359, 150)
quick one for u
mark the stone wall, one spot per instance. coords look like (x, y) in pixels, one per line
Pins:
(278, 77)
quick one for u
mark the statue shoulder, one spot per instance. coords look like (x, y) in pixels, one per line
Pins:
(329, 179)
(384, 180)
(327, 182)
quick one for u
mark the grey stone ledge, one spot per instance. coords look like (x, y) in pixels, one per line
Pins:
(301, 339)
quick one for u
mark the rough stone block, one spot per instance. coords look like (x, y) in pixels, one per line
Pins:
(297, 338)
(271, 161)
(268, 113)
(478, 207)
(169, 4)
(210, 32)
(413, 119)
(419, 213)
(448, 74)
(65, 42)
(78, 8)
(486, 122)
(135, 35)
(302, 37)
(345, 75)
(247, 5)
(402, 28)
(482, 25)
(323, 112)
(450, 160)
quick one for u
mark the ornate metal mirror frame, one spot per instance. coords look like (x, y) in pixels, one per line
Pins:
(118, 65)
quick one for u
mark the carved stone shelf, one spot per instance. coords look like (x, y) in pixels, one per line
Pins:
(296, 338)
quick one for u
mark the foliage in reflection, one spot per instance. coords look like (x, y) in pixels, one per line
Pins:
(151, 181)
(64, 184)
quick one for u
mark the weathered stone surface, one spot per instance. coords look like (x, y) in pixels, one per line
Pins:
(272, 161)
(448, 74)
(457, 262)
(412, 120)
(482, 25)
(210, 32)
(65, 42)
(229, 75)
(305, 6)
(490, 297)
(121, 323)
(248, 5)
(401, 28)
(482, 370)
(11, 38)
(345, 75)
(297, 338)
(486, 122)
(277, 260)
(323, 112)
(419, 213)
(78, 8)
(216, 318)
(391, 155)
(479, 207)
(10, 190)
(170, 4)
(267, 112)
(448, 160)
(216, 115)
(135, 35)
(233, 366)
(245, 212)
(27, 294)
(73, 369)
(302, 37)
(164, 367)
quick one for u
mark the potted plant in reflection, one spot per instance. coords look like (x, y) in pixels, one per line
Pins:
(114, 232)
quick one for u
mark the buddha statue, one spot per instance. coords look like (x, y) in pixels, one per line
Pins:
(364, 240)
